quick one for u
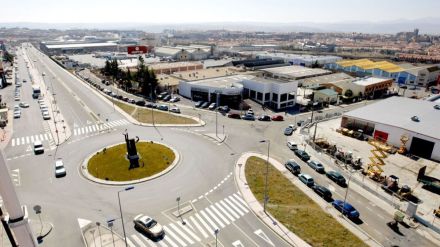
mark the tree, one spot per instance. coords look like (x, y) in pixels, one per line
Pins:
(315, 64)
(107, 68)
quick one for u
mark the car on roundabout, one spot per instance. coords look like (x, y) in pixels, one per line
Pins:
(60, 170)
(148, 226)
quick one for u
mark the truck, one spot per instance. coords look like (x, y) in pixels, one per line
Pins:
(430, 183)
(36, 91)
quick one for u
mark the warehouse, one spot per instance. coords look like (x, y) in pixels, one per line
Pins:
(299, 59)
(184, 53)
(393, 118)
(277, 94)
(58, 49)
(293, 72)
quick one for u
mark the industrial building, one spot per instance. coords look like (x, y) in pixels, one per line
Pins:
(391, 119)
(299, 59)
(277, 94)
(405, 73)
(293, 72)
(185, 53)
(77, 48)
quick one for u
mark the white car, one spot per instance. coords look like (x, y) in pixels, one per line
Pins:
(17, 114)
(24, 105)
(292, 145)
(40, 101)
(174, 99)
(148, 226)
(38, 147)
(17, 98)
(60, 170)
(46, 115)
(175, 110)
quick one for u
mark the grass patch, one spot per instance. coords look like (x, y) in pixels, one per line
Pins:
(144, 115)
(113, 165)
(296, 210)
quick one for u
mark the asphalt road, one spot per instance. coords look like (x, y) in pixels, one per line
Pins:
(202, 180)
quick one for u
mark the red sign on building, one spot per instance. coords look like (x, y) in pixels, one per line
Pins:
(139, 49)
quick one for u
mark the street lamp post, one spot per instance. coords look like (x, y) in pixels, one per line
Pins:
(346, 192)
(178, 210)
(266, 198)
(216, 236)
(120, 210)
(110, 225)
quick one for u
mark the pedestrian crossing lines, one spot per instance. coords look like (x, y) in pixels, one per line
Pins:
(99, 127)
(18, 141)
(199, 226)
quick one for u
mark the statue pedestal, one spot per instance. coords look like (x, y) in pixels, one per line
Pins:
(134, 160)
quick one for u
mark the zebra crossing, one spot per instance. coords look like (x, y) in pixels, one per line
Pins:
(199, 226)
(99, 127)
(25, 140)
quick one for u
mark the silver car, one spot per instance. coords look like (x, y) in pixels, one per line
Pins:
(148, 225)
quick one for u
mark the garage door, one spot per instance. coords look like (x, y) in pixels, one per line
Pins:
(421, 147)
(381, 136)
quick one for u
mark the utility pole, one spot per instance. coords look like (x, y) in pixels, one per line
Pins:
(18, 223)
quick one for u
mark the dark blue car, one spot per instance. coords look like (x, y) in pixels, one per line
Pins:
(346, 209)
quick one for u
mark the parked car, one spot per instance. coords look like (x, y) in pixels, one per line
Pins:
(234, 115)
(17, 114)
(224, 109)
(306, 179)
(248, 117)
(162, 95)
(148, 225)
(17, 98)
(46, 115)
(163, 107)
(149, 105)
(293, 167)
(60, 170)
(140, 102)
(303, 155)
(212, 106)
(205, 105)
(175, 110)
(289, 130)
(322, 191)
(250, 112)
(125, 98)
(336, 177)
(24, 104)
(346, 209)
(131, 101)
(292, 145)
(167, 97)
(174, 99)
(277, 118)
(198, 104)
(315, 165)
(38, 147)
(264, 118)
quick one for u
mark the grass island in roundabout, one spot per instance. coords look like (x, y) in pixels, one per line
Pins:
(112, 164)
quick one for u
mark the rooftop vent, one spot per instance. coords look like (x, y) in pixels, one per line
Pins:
(437, 107)
(415, 119)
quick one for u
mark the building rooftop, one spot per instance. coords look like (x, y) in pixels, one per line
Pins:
(367, 81)
(223, 82)
(158, 66)
(295, 72)
(398, 111)
(80, 45)
(328, 92)
(325, 79)
(368, 64)
(205, 73)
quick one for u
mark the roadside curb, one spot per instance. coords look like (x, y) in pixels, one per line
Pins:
(271, 222)
(84, 171)
(218, 140)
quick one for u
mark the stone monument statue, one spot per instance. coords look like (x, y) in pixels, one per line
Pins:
(132, 154)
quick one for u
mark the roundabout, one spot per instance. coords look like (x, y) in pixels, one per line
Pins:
(111, 165)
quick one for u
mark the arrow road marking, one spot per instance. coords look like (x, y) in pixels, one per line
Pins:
(262, 235)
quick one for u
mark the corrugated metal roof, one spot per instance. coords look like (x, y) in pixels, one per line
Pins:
(398, 111)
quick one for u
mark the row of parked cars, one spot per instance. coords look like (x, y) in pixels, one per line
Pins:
(344, 207)
(250, 116)
(44, 109)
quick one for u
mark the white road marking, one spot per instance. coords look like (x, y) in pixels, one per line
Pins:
(238, 204)
(237, 244)
(215, 210)
(214, 226)
(210, 230)
(240, 200)
(229, 209)
(174, 236)
(262, 235)
(138, 241)
(32, 139)
(224, 211)
(13, 142)
(198, 227)
(149, 242)
(130, 243)
(189, 240)
(215, 217)
(27, 139)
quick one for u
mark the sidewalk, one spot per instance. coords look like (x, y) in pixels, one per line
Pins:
(97, 235)
(271, 222)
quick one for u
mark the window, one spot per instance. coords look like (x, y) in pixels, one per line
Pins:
(267, 97)
(291, 97)
(252, 94)
(274, 97)
(259, 96)
(283, 97)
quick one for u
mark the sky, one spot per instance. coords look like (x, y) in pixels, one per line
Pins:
(195, 11)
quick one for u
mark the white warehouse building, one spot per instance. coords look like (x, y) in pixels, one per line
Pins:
(391, 119)
(277, 94)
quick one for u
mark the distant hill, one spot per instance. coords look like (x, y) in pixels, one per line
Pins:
(426, 25)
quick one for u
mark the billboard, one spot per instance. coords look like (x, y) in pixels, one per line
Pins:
(139, 49)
